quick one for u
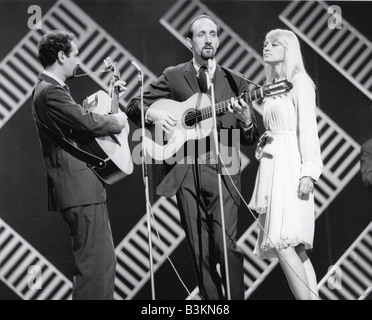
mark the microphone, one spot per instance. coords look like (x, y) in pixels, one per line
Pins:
(210, 69)
(134, 64)
(209, 64)
(138, 68)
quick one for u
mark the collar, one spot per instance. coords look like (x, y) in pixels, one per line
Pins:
(51, 75)
(197, 66)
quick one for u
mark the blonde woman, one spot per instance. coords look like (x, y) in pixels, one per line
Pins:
(290, 164)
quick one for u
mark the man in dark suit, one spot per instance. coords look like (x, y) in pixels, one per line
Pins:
(73, 188)
(195, 182)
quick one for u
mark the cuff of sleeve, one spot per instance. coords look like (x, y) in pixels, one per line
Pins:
(147, 120)
(309, 169)
(116, 127)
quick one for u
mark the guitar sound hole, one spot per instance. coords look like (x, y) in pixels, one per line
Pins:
(191, 118)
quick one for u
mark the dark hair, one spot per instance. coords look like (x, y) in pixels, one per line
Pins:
(190, 32)
(53, 42)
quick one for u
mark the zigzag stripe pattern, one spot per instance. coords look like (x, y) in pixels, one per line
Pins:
(19, 69)
(16, 257)
(233, 51)
(95, 45)
(133, 269)
(18, 75)
(340, 152)
(351, 277)
(345, 49)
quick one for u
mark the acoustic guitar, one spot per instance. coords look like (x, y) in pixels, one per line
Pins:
(194, 119)
(113, 149)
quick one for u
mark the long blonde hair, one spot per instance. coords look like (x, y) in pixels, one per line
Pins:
(293, 62)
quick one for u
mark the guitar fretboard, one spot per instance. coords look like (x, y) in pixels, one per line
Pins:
(222, 106)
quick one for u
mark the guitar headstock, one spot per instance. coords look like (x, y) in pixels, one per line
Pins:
(112, 66)
(277, 88)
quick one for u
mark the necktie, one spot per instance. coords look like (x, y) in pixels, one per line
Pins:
(202, 79)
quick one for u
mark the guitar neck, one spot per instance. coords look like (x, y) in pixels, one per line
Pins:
(115, 103)
(114, 94)
(222, 107)
(114, 97)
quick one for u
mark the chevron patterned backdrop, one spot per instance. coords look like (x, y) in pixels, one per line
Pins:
(151, 32)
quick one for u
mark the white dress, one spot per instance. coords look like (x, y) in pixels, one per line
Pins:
(292, 152)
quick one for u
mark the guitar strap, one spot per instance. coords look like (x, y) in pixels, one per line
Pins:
(235, 89)
(69, 147)
(232, 82)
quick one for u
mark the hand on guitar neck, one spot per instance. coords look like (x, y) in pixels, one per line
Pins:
(119, 87)
(241, 110)
(117, 90)
(114, 148)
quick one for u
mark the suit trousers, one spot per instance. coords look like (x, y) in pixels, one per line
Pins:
(198, 202)
(93, 251)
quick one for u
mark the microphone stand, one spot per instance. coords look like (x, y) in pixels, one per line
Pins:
(146, 181)
(217, 152)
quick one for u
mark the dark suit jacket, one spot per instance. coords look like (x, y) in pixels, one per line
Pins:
(366, 163)
(70, 182)
(179, 83)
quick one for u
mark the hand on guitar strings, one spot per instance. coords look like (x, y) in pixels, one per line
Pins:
(123, 120)
(241, 110)
(163, 119)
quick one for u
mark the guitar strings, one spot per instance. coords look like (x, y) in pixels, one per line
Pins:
(208, 110)
(200, 112)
